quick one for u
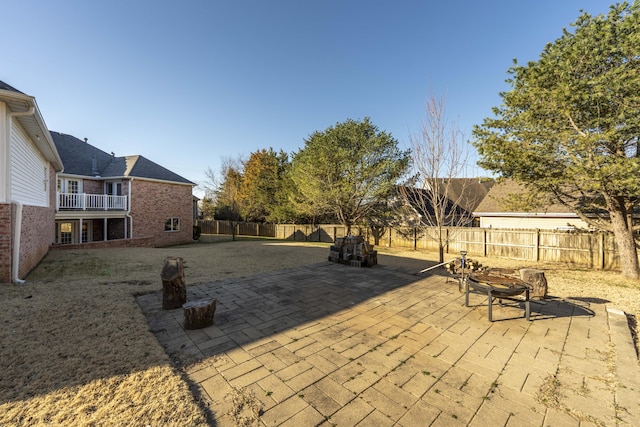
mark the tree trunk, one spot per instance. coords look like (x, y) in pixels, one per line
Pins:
(173, 284)
(537, 280)
(199, 314)
(623, 232)
(377, 233)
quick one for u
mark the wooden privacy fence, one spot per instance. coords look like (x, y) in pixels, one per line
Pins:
(592, 250)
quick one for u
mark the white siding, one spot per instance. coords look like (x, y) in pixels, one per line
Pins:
(543, 223)
(4, 153)
(29, 170)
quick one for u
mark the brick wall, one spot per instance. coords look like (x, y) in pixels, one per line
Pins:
(125, 243)
(152, 203)
(38, 233)
(5, 242)
(90, 186)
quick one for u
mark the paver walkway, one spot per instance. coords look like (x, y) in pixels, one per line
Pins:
(329, 344)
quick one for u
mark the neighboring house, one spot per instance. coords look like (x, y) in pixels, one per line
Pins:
(101, 197)
(495, 212)
(459, 196)
(28, 165)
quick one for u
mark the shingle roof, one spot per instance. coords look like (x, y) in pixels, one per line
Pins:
(496, 200)
(77, 156)
(4, 86)
(469, 192)
(78, 159)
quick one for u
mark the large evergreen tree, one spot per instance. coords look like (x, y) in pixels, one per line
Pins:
(570, 125)
(346, 169)
(261, 185)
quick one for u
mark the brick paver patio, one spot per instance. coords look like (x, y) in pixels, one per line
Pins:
(329, 344)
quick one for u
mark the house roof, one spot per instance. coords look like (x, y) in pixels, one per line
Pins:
(496, 201)
(31, 121)
(78, 158)
(5, 86)
(469, 192)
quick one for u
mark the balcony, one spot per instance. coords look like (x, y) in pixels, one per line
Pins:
(91, 202)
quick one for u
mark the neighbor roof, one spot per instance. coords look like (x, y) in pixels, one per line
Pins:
(78, 159)
(495, 201)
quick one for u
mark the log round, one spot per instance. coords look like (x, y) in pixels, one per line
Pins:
(537, 280)
(174, 290)
(198, 314)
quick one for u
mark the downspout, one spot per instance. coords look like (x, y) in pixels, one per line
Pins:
(15, 262)
(128, 214)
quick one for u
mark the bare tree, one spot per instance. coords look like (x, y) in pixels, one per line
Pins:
(439, 192)
(222, 190)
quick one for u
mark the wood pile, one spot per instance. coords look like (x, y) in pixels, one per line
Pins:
(354, 251)
(455, 266)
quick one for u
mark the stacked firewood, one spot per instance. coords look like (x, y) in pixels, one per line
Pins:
(354, 251)
(455, 266)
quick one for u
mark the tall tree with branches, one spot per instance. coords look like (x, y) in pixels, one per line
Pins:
(346, 169)
(570, 125)
(438, 191)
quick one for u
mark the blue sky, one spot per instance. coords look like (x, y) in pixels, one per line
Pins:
(188, 83)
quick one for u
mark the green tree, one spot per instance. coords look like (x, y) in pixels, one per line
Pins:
(346, 169)
(570, 125)
(260, 184)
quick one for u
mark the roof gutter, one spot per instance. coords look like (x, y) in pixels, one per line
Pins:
(15, 261)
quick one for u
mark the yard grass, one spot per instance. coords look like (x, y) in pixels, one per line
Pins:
(75, 348)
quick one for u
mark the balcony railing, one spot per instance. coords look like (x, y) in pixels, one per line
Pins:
(91, 202)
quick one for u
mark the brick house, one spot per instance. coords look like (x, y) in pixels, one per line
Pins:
(29, 162)
(58, 190)
(129, 199)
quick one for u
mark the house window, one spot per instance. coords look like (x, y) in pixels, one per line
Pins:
(86, 231)
(113, 188)
(172, 224)
(65, 233)
(72, 186)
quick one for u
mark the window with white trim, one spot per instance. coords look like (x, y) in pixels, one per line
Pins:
(172, 224)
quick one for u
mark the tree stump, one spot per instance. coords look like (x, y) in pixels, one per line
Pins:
(537, 280)
(199, 313)
(173, 285)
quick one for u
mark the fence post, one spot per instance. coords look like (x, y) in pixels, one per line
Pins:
(446, 238)
(415, 238)
(537, 248)
(390, 230)
(484, 243)
(601, 251)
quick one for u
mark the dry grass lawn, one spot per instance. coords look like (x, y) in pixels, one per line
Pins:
(76, 350)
